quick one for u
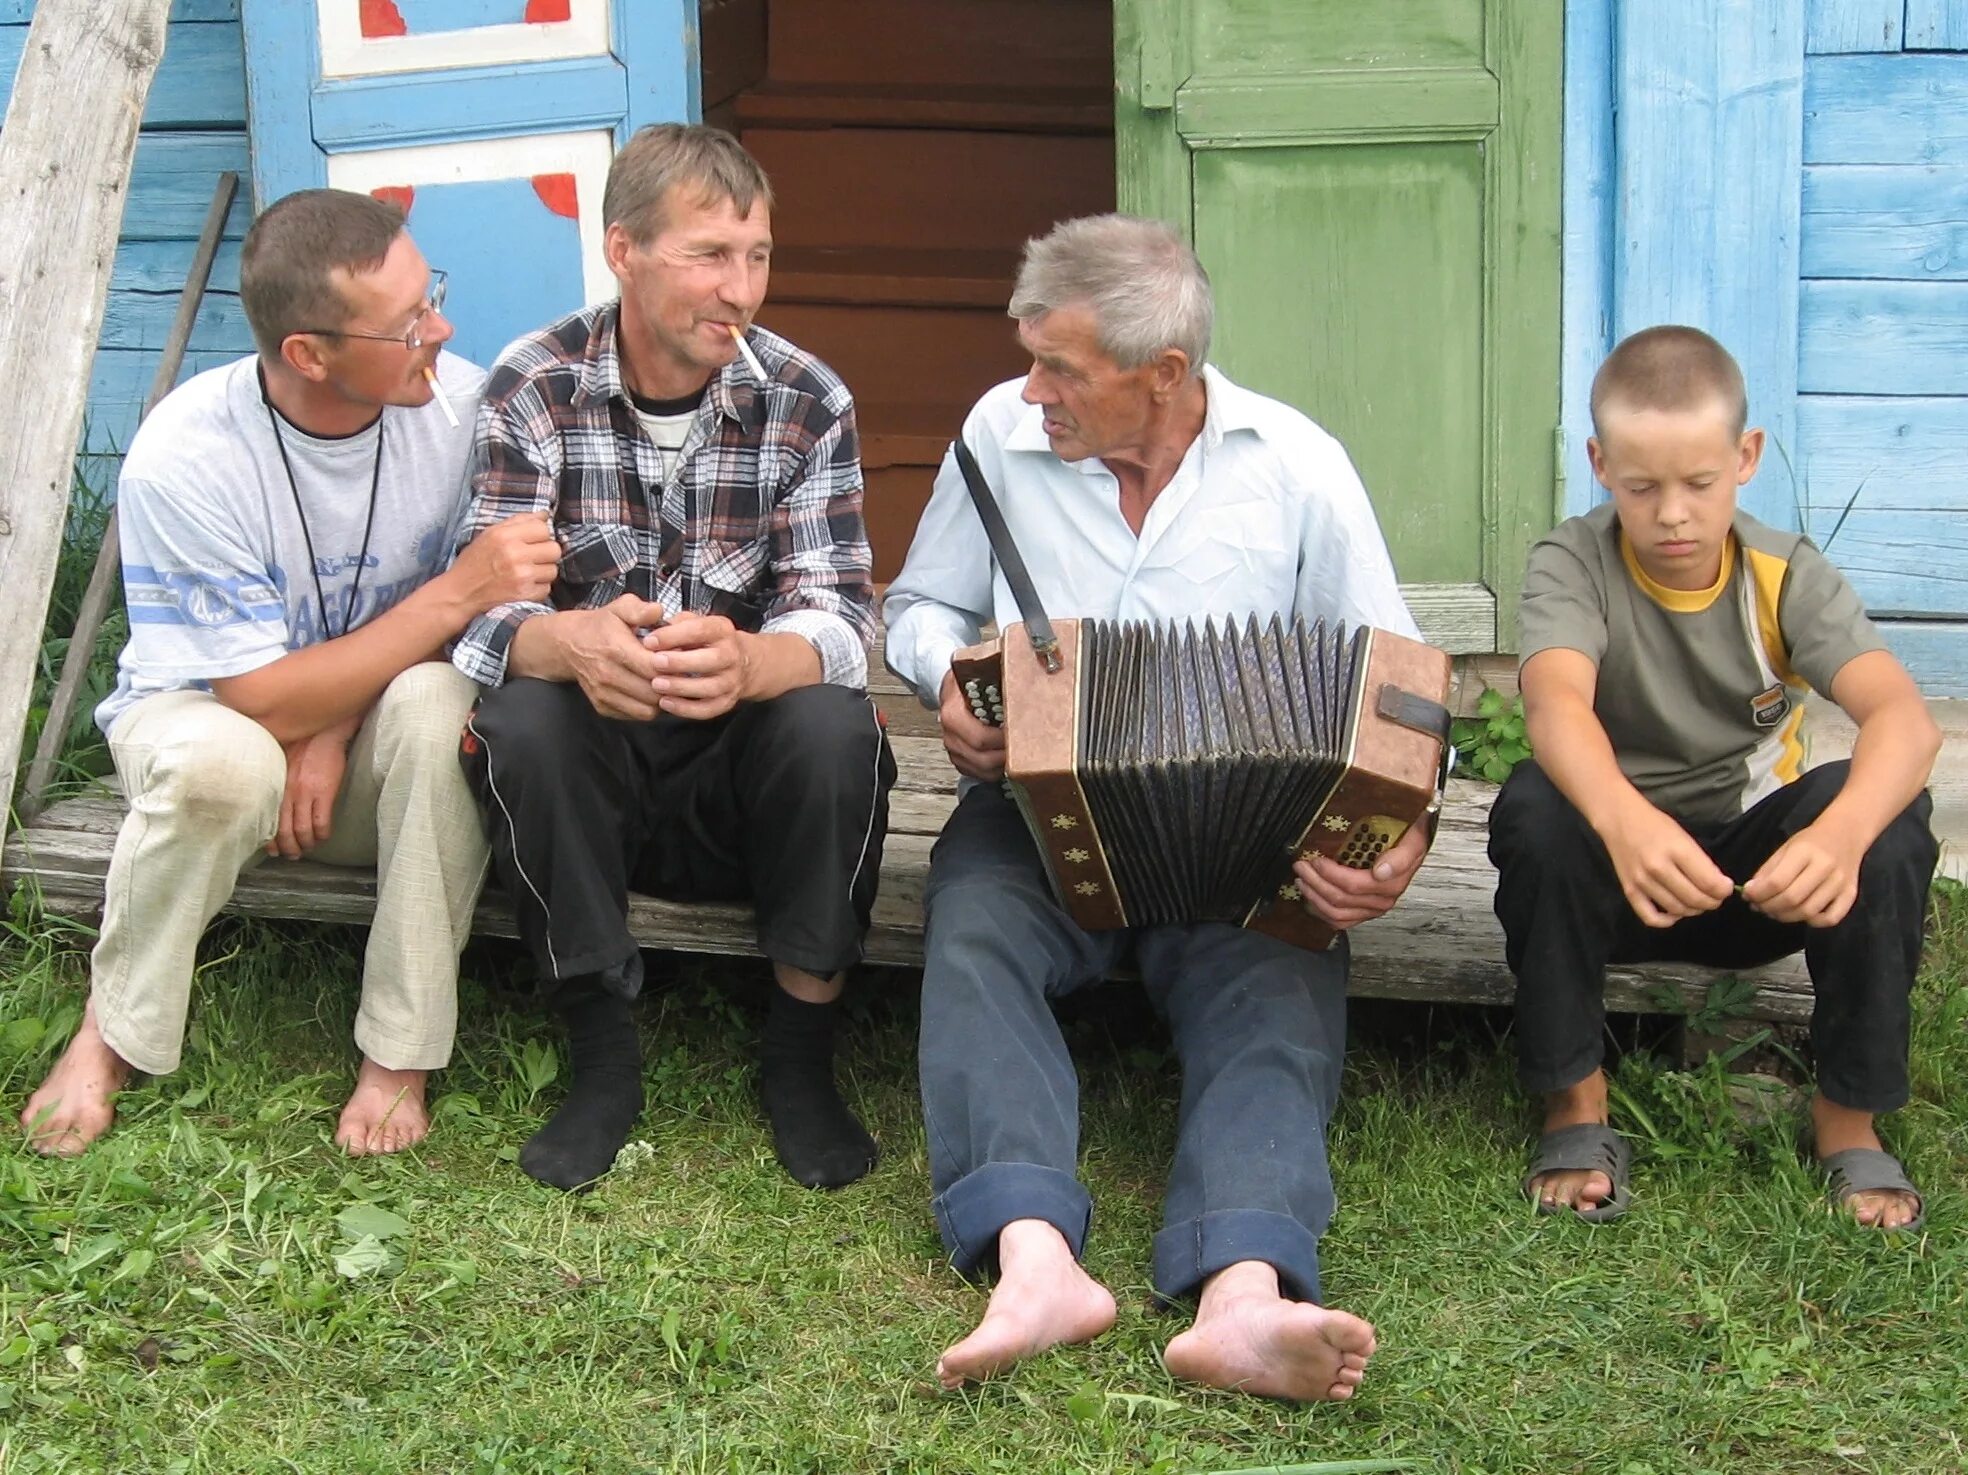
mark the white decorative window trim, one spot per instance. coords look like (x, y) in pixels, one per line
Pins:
(346, 52)
(585, 155)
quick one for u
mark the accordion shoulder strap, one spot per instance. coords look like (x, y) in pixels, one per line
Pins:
(1037, 625)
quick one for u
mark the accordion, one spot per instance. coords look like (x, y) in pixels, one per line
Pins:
(1175, 774)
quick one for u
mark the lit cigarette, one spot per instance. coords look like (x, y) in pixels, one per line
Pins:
(443, 401)
(751, 359)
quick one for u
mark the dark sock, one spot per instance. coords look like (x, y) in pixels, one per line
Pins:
(817, 1138)
(604, 1098)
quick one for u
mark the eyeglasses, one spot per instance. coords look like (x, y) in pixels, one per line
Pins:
(413, 338)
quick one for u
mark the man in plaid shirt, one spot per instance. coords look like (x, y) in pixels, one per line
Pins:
(688, 715)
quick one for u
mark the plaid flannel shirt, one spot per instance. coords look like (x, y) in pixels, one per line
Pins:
(761, 523)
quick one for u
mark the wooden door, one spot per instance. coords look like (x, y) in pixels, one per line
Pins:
(491, 121)
(1375, 191)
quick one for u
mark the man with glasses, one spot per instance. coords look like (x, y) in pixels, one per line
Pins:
(286, 524)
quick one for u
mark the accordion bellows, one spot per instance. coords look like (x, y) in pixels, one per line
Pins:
(1171, 773)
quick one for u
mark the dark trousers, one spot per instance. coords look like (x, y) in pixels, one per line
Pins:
(783, 803)
(1565, 918)
(1259, 1027)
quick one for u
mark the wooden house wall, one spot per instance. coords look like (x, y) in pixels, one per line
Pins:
(1792, 175)
(194, 127)
(1883, 311)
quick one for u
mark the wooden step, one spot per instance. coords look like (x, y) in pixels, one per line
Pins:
(1442, 942)
(928, 187)
(990, 109)
(943, 43)
(893, 276)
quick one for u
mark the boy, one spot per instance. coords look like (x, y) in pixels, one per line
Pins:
(1668, 642)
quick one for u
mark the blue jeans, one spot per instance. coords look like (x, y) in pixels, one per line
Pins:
(1259, 1028)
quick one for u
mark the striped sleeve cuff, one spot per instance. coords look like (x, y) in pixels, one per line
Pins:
(481, 652)
(843, 658)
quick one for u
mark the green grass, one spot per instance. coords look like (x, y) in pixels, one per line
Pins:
(216, 1289)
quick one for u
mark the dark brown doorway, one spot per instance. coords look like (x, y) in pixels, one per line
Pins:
(914, 145)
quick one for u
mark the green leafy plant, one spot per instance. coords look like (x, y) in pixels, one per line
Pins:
(1492, 742)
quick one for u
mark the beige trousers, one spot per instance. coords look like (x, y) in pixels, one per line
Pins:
(205, 784)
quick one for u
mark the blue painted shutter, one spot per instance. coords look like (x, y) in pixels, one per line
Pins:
(492, 121)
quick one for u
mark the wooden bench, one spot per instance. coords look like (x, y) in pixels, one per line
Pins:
(1442, 943)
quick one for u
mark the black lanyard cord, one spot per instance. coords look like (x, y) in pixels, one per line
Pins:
(307, 537)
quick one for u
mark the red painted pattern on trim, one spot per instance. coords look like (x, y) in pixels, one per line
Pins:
(540, 12)
(400, 195)
(382, 18)
(557, 193)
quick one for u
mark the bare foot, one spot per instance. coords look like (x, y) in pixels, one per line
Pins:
(1839, 1127)
(1042, 1298)
(1585, 1102)
(386, 1113)
(77, 1103)
(1250, 1339)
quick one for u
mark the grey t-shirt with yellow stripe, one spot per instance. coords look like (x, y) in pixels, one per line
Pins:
(1700, 691)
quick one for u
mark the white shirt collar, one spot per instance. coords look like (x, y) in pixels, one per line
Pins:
(1227, 407)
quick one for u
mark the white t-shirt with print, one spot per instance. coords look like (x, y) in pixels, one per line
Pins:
(216, 567)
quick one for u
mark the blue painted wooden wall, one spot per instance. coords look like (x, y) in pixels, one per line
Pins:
(193, 128)
(1792, 175)
(1883, 347)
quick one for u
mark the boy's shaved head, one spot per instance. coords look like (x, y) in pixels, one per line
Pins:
(1669, 368)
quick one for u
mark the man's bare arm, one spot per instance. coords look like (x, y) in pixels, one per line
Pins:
(1666, 876)
(312, 689)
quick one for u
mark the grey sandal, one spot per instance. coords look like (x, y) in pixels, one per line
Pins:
(1869, 1170)
(1589, 1147)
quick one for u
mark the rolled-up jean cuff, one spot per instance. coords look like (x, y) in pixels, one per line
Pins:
(136, 1053)
(974, 1210)
(1189, 1253)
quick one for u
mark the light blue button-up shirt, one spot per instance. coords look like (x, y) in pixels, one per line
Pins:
(1265, 515)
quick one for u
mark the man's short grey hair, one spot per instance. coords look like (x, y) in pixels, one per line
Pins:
(1147, 291)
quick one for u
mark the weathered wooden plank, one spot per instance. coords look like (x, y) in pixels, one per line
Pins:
(1710, 101)
(1442, 943)
(1937, 25)
(1587, 306)
(1832, 26)
(1936, 651)
(1900, 109)
(1241, 37)
(1360, 104)
(142, 319)
(1900, 466)
(1882, 453)
(283, 51)
(1898, 222)
(656, 42)
(103, 578)
(65, 160)
(171, 184)
(20, 12)
(1522, 281)
(1895, 338)
(1905, 565)
(480, 102)
(160, 266)
(201, 83)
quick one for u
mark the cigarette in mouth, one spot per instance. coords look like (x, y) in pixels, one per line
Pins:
(443, 401)
(751, 359)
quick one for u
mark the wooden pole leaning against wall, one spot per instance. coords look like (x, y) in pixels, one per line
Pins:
(65, 153)
(109, 564)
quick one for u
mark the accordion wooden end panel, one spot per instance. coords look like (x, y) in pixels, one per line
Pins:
(1169, 774)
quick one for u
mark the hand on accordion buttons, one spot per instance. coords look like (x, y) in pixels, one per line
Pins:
(976, 749)
(1346, 897)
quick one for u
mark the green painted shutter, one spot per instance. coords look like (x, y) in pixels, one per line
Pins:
(1375, 191)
